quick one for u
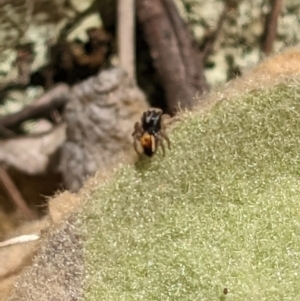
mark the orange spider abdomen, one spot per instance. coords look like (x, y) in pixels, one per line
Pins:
(148, 143)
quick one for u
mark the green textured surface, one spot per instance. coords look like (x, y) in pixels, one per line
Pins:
(220, 210)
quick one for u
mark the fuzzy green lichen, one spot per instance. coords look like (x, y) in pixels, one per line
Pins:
(219, 211)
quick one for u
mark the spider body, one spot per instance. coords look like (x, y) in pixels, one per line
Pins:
(150, 132)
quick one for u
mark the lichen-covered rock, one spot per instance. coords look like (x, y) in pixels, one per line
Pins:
(239, 44)
(100, 121)
(42, 23)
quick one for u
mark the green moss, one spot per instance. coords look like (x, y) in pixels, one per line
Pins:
(220, 210)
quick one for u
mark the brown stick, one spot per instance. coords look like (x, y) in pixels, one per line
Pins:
(51, 100)
(126, 35)
(175, 55)
(15, 195)
(271, 26)
(189, 52)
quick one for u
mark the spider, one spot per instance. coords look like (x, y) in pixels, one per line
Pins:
(150, 132)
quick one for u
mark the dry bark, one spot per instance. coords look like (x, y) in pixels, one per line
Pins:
(271, 26)
(100, 121)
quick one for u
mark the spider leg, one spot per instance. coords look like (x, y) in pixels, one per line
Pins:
(154, 143)
(164, 120)
(138, 131)
(135, 146)
(160, 143)
(164, 135)
(163, 125)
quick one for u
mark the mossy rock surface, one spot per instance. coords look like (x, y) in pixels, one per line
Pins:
(219, 211)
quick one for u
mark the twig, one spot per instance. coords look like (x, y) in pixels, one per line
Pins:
(271, 26)
(15, 195)
(19, 239)
(9, 85)
(126, 35)
(43, 106)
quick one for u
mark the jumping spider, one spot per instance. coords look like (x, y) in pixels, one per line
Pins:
(150, 132)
